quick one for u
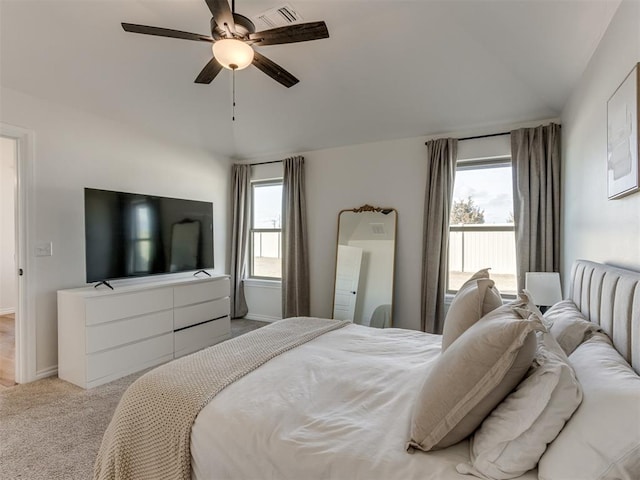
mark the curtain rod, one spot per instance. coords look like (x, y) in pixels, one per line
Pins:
(459, 139)
(482, 136)
(265, 163)
(485, 136)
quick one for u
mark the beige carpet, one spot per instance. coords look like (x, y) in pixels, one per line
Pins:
(51, 429)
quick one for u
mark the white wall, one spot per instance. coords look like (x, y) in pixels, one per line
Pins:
(264, 300)
(388, 174)
(74, 150)
(594, 227)
(8, 279)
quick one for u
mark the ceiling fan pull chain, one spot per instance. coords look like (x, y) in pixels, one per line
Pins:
(233, 117)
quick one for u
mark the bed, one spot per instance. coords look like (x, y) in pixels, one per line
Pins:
(342, 403)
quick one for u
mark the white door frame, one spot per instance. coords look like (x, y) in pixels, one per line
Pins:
(25, 360)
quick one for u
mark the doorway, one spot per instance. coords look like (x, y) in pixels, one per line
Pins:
(9, 298)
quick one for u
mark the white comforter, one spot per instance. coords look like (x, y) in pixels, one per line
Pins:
(338, 408)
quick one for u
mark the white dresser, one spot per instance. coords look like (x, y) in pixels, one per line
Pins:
(106, 334)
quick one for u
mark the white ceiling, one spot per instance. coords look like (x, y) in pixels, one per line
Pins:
(390, 69)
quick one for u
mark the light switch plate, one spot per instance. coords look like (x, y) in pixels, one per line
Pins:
(44, 249)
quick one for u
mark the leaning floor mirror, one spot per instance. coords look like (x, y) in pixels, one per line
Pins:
(365, 264)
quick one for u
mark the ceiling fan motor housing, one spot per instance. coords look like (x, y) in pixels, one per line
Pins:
(243, 25)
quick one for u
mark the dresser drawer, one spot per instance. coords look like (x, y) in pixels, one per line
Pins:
(201, 292)
(194, 314)
(110, 362)
(107, 334)
(119, 306)
(119, 332)
(196, 338)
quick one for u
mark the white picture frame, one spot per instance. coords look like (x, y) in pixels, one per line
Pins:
(623, 169)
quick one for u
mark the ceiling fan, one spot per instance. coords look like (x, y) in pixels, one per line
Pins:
(233, 37)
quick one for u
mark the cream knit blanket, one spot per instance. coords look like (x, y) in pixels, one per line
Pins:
(150, 432)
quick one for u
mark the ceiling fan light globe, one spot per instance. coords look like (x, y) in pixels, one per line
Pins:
(233, 54)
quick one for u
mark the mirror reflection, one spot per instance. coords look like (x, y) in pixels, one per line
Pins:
(365, 259)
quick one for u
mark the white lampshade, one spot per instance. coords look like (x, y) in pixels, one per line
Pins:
(233, 54)
(544, 287)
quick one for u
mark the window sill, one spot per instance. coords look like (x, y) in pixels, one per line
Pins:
(262, 283)
(448, 298)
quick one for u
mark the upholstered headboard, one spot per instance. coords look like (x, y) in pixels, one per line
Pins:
(610, 297)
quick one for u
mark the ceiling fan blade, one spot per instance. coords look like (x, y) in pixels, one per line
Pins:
(274, 70)
(301, 32)
(209, 72)
(222, 14)
(164, 32)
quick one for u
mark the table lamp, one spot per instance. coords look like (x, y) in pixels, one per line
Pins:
(544, 288)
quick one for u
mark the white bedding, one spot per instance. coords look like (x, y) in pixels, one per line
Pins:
(338, 407)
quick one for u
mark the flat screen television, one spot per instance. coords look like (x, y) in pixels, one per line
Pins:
(135, 235)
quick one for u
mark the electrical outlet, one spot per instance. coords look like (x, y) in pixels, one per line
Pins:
(44, 249)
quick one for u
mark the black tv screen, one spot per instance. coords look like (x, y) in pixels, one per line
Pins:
(134, 235)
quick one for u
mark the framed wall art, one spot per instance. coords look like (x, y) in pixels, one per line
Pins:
(623, 169)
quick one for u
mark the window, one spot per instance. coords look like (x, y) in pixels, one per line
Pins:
(141, 239)
(481, 232)
(266, 230)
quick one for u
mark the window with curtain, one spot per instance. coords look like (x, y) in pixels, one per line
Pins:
(481, 231)
(266, 230)
(141, 238)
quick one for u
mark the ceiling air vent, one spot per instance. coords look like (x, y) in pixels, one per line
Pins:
(377, 228)
(277, 17)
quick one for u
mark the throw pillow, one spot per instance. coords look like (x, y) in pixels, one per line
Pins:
(475, 298)
(514, 436)
(602, 439)
(473, 375)
(568, 325)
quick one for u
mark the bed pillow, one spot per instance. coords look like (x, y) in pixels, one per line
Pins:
(475, 298)
(602, 439)
(472, 376)
(568, 325)
(514, 436)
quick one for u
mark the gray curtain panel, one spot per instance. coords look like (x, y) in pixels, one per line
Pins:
(241, 185)
(535, 155)
(441, 172)
(295, 250)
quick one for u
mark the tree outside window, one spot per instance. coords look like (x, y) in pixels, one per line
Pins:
(465, 212)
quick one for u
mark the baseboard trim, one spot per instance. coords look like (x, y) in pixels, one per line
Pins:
(7, 311)
(261, 318)
(47, 372)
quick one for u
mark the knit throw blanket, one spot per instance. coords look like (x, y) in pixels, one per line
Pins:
(150, 432)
